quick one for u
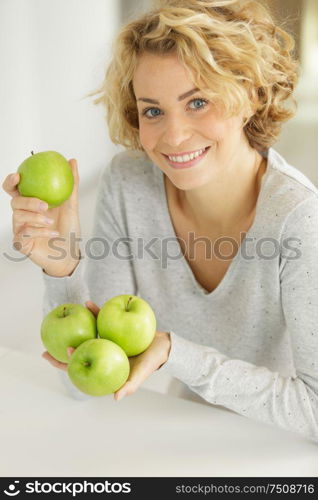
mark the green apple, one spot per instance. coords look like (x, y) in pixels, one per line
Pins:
(47, 176)
(129, 321)
(68, 325)
(98, 367)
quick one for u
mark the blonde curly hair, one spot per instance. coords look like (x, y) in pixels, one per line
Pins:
(236, 53)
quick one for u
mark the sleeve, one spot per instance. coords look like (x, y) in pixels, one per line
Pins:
(105, 269)
(256, 392)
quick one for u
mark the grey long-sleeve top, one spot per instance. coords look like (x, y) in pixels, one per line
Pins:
(251, 345)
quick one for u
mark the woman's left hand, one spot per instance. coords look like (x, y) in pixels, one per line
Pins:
(141, 366)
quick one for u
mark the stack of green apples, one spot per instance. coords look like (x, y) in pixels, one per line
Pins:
(125, 326)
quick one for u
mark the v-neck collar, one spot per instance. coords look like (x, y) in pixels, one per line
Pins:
(185, 267)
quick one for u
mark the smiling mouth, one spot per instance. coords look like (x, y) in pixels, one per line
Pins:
(186, 160)
(184, 154)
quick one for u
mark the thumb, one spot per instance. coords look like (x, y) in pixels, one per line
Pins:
(10, 184)
(74, 168)
(92, 307)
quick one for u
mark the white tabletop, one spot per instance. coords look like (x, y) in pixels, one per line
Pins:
(45, 432)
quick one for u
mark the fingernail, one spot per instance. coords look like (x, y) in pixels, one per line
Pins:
(43, 206)
(54, 233)
(120, 396)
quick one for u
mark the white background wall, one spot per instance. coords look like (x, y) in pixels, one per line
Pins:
(51, 54)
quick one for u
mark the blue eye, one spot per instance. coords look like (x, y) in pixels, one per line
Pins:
(151, 109)
(197, 99)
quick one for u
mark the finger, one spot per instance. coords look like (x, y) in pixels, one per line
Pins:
(10, 184)
(92, 307)
(70, 351)
(23, 242)
(34, 232)
(54, 362)
(126, 390)
(29, 204)
(138, 374)
(25, 217)
(23, 245)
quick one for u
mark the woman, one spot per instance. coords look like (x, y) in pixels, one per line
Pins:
(200, 216)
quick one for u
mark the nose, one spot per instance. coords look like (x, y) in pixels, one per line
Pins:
(176, 131)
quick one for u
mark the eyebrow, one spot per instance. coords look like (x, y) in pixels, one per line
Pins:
(180, 98)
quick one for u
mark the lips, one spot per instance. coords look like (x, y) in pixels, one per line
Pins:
(186, 164)
(186, 152)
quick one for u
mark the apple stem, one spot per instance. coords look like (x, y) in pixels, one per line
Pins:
(64, 309)
(129, 300)
(32, 153)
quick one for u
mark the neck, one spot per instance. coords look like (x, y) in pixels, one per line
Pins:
(229, 199)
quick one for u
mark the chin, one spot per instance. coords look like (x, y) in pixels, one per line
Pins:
(188, 182)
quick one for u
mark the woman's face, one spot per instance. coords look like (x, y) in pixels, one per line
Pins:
(180, 120)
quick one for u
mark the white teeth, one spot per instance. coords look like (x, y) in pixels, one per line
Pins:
(184, 158)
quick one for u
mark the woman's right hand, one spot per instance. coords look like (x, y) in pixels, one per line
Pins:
(54, 246)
